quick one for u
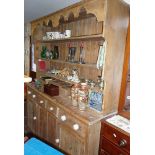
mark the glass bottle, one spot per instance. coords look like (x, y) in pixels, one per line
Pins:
(96, 98)
(83, 96)
(82, 54)
(91, 89)
(74, 93)
(56, 52)
(43, 52)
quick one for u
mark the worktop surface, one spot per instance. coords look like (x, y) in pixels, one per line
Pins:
(89, 116)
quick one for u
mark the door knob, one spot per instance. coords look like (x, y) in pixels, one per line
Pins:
(29, 92)
(51, 108)
(63, 118)
(57, 140)
(76, 127)
(122, 143)
(34, 96)
(34, 118)
(41, 101)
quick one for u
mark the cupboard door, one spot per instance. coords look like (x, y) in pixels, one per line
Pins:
(70, 142)
(29, 114)
(35, 118)
(32, 116)
(42, 122)
(51, 128)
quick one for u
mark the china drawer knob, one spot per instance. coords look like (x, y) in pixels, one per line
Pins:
(41, 101)
(34, 96)
(122, 143)
(51, 108)
(29, 92)
(57, 140)
(34, 118)
(76, 127)
(114, 135)
(63, 118)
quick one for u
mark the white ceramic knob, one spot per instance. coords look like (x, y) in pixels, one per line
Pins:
(34, 117)
(76, 126)
(51, 108)
(41, 101)
(114, 135)
(57, 140)
(29, 92)
(34, 96)
(63, 118)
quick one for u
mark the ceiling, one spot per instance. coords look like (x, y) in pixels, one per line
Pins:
(37, 8)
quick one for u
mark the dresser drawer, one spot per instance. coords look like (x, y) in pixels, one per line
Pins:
(115, 136)
(103, 152)
(41, 101)
(31, 94)
(52, 108)
(72, 123)
(110, 149)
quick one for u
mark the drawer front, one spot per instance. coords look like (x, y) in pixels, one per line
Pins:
(52, 108)
(41, 101)
(72, 123)
(116, 137)
(110, 149)
(103, 152)
(31, 94)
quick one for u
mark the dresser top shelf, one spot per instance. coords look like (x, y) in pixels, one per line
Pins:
(78, 38)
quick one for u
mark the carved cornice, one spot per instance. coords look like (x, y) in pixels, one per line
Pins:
(96, 7)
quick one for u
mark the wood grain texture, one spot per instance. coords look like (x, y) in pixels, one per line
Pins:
(124, 77)
(88, 71)
(70, 142)
(88, 117)
(49, 125)
(94, 135)
(110, 138)
(51, 128)
(97, 7)
(115, 31)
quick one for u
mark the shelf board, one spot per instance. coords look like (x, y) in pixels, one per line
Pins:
(95, 36)
(70, 63)
(56, 77)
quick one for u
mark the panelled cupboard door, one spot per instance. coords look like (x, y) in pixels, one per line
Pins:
(42, 122)
(69, 142)
(35, 118)
(51, 128)
(32, 116)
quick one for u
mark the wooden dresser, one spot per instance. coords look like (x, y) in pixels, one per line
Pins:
(113, 140)
(55, 120)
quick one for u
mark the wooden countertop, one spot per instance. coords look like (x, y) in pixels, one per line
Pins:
(89, 116)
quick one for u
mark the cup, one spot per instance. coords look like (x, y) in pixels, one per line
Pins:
(67, 33)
